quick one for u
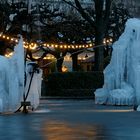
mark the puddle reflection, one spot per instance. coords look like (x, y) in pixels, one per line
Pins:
(55, 130)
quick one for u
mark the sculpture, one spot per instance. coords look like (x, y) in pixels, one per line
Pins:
(122, 75)
(12, 88)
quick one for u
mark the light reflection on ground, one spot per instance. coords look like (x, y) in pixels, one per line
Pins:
(109, 110)
(55, 130)
(72, 120)
(42, 111)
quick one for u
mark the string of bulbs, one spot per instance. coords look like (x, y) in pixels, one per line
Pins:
(33, 46)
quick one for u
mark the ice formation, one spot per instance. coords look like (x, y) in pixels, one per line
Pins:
(122, 75)
(12, 81)
(35, 88)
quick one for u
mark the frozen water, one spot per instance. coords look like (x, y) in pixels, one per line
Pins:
(12, 81)
(122, 75)
(35, 88)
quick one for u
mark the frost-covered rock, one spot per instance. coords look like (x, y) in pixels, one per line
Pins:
(122, 75)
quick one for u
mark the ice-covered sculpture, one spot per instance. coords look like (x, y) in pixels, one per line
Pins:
(33, 76)
(122, 75)
(12, 78)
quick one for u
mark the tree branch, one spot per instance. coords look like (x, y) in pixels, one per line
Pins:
(70, 3)
(80, 9)
(84, 14)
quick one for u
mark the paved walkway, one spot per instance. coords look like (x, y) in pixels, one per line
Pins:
(72, 120)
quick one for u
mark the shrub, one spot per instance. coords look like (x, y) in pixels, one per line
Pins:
(72, 83)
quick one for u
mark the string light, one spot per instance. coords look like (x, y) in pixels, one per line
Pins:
(12, 39)
(90, 45)
(33, 46)
(25, 46)
(44, 45)
(16, 40)
(9, 55)
(8, 38)
(107, 41)
(61, 46)
(3, 36)
(56, 46)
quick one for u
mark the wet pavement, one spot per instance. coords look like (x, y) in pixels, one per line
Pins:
(72, 120)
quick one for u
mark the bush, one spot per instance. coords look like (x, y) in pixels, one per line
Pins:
(72, 84)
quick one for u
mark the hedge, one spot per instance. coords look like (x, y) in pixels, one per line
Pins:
(72, 84)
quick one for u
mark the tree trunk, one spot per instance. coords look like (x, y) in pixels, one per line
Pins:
(59, 64)
(75, 62)
(99, 51)
(2, 48)
(101, 21)
(99, 58)
(60, 59)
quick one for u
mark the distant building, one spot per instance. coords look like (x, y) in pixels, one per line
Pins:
(87, 64)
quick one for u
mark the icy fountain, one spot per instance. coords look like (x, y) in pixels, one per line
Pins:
(122, 75)
(12, 72)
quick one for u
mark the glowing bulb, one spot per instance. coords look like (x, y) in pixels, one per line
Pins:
(44, 45)
(6, 55)
(107, 41)
(25, 46)
(111, 40)
(33, 47)
(90, 45)
(52, 45)
(3, 36)
(56, 46)
(72, 46)
(16, 40)
(10, 54)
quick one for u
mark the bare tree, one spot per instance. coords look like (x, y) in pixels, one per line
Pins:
(106, 18)
(99, 20)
